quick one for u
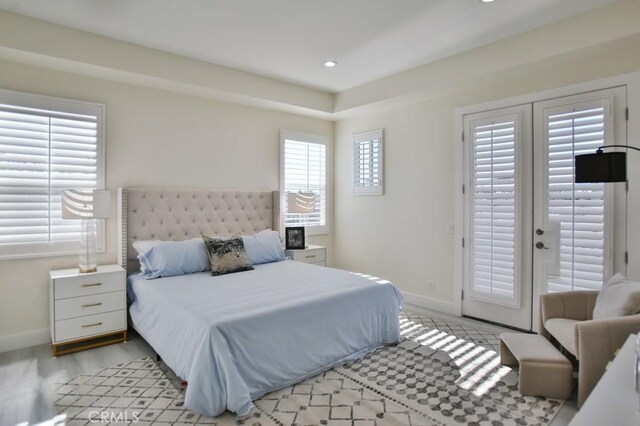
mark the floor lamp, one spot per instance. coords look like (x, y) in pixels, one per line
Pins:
(601, 166)
(86, 205)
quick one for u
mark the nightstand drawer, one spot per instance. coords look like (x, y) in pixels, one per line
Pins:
(87, 284)
(309, 255)
(89, 305)
(77, 328)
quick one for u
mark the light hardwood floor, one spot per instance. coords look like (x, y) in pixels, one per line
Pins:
(27, 376)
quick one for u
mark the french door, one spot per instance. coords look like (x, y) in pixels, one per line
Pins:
(573, 222)
(529, 228)
(498, 216)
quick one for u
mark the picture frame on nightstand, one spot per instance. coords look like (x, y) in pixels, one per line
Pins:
(294, 238)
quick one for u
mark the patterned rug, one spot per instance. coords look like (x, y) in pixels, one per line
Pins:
(442, 373)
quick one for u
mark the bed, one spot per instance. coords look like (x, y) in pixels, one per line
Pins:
(238, 336)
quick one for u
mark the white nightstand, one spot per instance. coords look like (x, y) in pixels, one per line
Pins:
(312, 254)
(87, 310)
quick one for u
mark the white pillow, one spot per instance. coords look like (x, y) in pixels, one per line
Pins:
(263, 247)
(142, 246)
(171, 258)
(618, 298)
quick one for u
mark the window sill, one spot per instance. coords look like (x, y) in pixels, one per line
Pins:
(317, 230)
(60, 253)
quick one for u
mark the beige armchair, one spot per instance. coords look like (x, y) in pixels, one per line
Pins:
(568, 318)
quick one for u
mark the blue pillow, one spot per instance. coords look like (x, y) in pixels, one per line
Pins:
(171, 258)
(263, 247)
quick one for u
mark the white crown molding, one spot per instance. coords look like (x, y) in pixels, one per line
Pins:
(65, 49)
(463, 72)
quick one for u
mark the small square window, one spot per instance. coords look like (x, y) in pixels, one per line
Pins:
(367, 163)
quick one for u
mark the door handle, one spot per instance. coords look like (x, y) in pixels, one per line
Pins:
(539, 231)
(540, 245)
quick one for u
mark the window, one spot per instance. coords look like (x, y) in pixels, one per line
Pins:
(367, 163)
(303, 168)
(578, 209)
(494, 206)
(46, 145)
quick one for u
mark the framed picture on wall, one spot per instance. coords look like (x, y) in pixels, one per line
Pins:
(294, 238)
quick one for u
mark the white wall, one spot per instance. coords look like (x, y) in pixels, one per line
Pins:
(153, 138)
(403, 235)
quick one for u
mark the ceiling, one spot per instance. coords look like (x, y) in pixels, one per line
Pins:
(290, 39)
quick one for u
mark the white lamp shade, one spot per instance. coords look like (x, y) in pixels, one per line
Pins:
(301, 202)
(85, 204)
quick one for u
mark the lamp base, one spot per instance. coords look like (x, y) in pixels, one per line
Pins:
(88, 247)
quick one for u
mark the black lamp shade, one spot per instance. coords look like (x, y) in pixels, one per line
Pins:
(601, 167)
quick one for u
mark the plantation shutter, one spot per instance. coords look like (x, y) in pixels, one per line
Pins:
(367, 163)
(494, 202)
(45, 147)
(305, 170)
(578, 207)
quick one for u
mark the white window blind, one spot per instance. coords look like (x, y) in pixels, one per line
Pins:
(578, 207)
(304, 169)
(494, 220)
(367, 163)
(46, 145)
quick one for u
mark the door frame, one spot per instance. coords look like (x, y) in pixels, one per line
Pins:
(518, 311)
(618, 127)
(622, 244)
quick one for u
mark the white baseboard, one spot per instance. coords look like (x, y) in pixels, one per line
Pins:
(429, 303)
(24, 340)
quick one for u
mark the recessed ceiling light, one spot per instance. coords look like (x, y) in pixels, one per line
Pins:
(487, 1)
(330, 64)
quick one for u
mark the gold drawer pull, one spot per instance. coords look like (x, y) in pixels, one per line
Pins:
(310, 256)
(89, 305)
(90, 285)
(91, 325)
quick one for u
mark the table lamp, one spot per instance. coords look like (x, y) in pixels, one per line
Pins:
(86, 205)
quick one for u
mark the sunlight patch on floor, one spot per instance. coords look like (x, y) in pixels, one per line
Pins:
(372, 278)
(491, 381)
(59, 420)
(480, 369)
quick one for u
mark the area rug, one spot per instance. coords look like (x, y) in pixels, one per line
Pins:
(443, 372)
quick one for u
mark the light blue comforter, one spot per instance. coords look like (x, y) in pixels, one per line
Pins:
(236, 337)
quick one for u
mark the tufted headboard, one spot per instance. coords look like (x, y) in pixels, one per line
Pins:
(178, 214)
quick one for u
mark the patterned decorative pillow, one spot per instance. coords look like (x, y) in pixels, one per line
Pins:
(227, 255)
